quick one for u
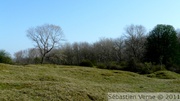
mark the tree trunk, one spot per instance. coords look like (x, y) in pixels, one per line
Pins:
(42, 58)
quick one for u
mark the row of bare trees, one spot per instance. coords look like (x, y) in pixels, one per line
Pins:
(47, 37)
(136, 48)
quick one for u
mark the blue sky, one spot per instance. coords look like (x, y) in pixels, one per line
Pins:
(81, 20)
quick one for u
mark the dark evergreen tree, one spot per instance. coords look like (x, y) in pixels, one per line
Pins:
(162, 46)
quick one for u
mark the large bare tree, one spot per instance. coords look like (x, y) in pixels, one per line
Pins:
(46, 37)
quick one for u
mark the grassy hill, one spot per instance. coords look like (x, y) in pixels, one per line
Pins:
(53, 82)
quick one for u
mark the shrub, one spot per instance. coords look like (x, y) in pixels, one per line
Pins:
(174, 68)
(86, 63)
(158, 68)
(113, 66)
(147, 68)
(101, 66)
(123, 64)
(110, 65)
(132, 65)
(5, 57)
(163, 75)
(143, 68)
(37, 60)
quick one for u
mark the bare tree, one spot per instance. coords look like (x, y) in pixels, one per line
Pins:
(76, 53)
(26, 56)
(67, 51)
(104, 50)
(85, 51)
(46, 38)
(135, 40)
(119, 48)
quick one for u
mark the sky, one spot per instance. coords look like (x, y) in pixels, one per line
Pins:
(81, 20)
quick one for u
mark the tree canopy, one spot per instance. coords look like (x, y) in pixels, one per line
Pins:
(162, 45)
(46, 38)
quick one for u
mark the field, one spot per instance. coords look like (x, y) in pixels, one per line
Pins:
(54, 82)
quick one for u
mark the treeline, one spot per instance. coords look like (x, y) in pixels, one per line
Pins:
(136, 50)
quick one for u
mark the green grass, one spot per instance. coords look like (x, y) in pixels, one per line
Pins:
(54, 82)
(164, 75)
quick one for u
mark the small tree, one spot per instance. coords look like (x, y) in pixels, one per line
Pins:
(5, 57)
(46, 38)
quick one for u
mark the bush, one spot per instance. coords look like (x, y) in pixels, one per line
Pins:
(158, 68)
(174, 68)
(164, 75)
(123, 64)
(86, 63)
(132, 65)
(143, 68)
(37, 60)
(148, 68)
(5, 57)
(101, 66)
(113, 66)
(110, 65)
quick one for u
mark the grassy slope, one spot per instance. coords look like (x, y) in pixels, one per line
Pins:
(52, 82)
